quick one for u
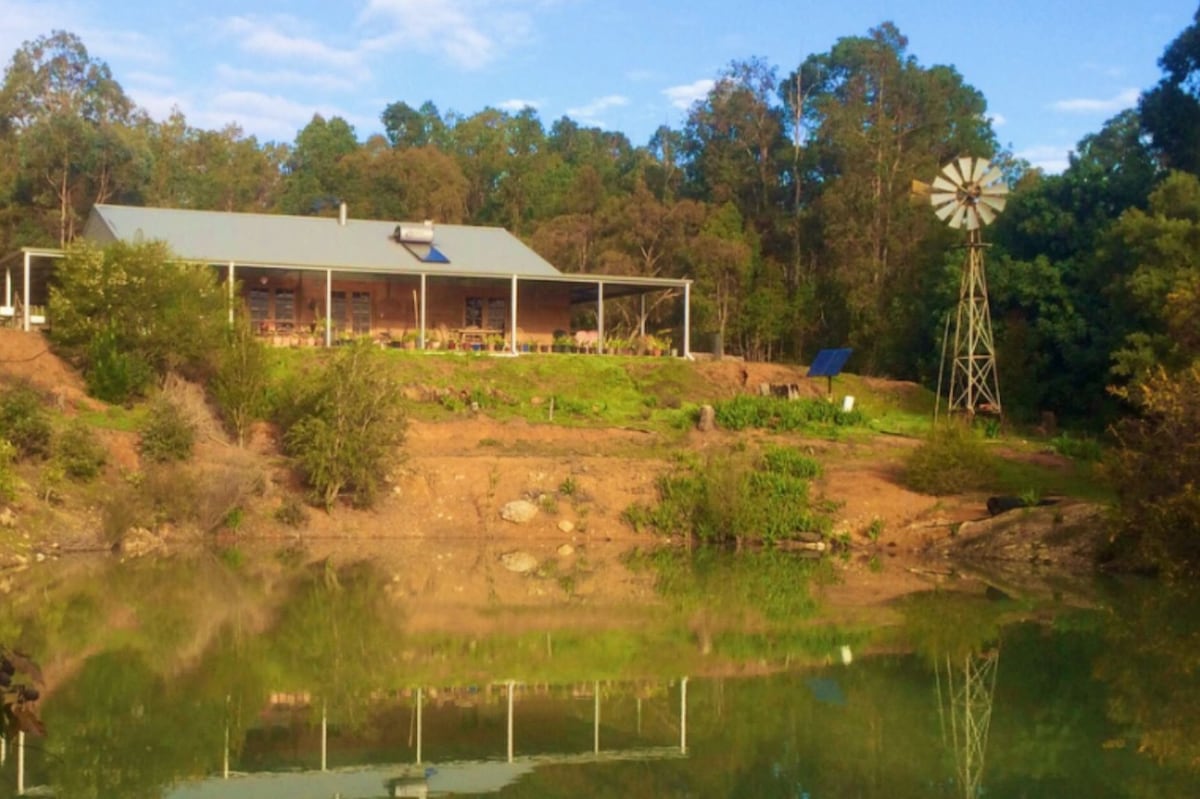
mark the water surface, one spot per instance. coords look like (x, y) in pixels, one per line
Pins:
(198, 677)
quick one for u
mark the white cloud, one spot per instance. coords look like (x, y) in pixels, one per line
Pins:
(591, 112)
(270, 117)
(997, 120)
(1048, 157)
(270, 38)
(516, 104)
(1084, 105)
(284, 77)
(469, 33)
(683, 96)
(150, 80)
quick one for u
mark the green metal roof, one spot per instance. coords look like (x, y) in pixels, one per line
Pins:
(315, 242)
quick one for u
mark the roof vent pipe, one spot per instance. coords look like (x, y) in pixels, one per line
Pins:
(342, 214)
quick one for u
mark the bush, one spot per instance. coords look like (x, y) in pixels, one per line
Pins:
(78, 452)
(114, 375)
(731, 498)
(8, 480)
(776, 413)
(951, 460)
(240, 385)
(1082, 449)
(349, 426)
(166, 434)
(1155, 469)
(25, 423)
(126, 310)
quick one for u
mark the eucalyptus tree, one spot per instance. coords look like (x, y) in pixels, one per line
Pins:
(1170, 111)
(69, 117)
(876, 120)
(406, 126)
(315, 176)
(1058, 312)
(733, 140)
(413, 183)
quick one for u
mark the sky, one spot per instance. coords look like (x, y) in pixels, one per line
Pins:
(1052, 71)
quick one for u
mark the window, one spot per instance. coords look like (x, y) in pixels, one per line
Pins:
(474, 314)
(490, 313)
(285, 309)
(360, 312)
(259, 304)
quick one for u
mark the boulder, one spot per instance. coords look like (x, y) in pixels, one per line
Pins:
(519, 562)
(565, 526)
(8, 518)
(566, 550)
(518, 511)
(136, 542)
(708, 419)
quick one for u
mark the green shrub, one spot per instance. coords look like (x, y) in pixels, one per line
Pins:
(127, 309)
(1081, 449)
(113, 374)
(776, 413)
(951, 460)
(785, 460)
(8, 480)
(730, 498)
(349, 425)
(25, 423)
(166, 434)
(1154, 469)
(291, 513)
(79, 452)
(240, 385)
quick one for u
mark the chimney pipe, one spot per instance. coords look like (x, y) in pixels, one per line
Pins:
(342, 215)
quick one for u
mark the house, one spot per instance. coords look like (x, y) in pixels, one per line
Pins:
(306, 277)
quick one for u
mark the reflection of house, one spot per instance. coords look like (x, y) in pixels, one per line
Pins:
(306, 276)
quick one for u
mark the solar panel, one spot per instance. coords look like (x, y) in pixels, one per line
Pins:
(829, 363)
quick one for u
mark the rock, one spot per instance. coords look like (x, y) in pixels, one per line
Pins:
(566, 526)
(519, 562)
(566, 550)
(136, 542)
(8, 518)
(708, 419)
(518, 511)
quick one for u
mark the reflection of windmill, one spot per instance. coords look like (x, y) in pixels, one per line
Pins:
(965, 688)
(969, 193)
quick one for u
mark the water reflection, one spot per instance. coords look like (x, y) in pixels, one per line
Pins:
(164, 678)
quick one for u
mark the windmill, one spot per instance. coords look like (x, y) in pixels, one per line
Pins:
(968, 194)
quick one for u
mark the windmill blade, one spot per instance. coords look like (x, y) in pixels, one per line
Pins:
(938, 198)
(996, 203)
(942, 184)
(945, 212)
(994, 174)
(972, 219)
(986, 215)
(965, 167)
(956, 221)
(950, 170)
(980, 169)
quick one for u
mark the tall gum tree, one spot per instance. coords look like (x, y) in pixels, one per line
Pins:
(876, 120)
(68, 115)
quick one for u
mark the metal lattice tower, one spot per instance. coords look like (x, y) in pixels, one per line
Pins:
(966, 698)
(969, 193)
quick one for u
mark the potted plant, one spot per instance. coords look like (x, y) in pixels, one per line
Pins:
(409, 340)
(562, 342)
(495, 343)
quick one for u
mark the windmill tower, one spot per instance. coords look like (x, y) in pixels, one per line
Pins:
(968, 194)
(965, 688)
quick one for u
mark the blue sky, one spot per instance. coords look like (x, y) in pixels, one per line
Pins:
(1052, 70)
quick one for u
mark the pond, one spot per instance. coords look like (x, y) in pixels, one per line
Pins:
(195, 677)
